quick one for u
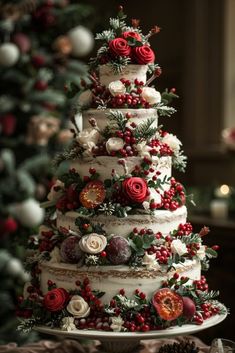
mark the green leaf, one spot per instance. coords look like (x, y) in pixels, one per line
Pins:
(211, 253)
(134, 42)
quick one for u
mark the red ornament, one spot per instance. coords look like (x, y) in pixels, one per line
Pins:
(43, 17)
(168, 304)
(143, 55)
(55, 299)
(8, 225)
(119, 47)
(130, 34)
(93, 194)
(135, 189)
(41, 85)
(38, 60)
(8, 124)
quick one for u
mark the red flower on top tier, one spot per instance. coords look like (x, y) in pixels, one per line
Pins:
(55, 299)
(119, 47)
(143, 55)
(130, 34)
(135, 189)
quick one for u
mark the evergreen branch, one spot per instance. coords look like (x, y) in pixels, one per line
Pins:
(71, 153)
(27, 325)
(117, 119)
(164, 110)
(179, 161)
(145, 131)
(119, 64)
(106, 35)
(192, 238)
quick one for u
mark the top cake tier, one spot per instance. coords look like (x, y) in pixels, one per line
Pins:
(130, 72)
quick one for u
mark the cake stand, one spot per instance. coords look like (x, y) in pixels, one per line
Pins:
(126, 342)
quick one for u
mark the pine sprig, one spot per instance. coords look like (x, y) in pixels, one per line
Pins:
(106, 35)
(164, 110)
(27, 325)
(192, 238)
(145, 131)
(71, 153)
(117, 120)
(179, 161)
(119, 64)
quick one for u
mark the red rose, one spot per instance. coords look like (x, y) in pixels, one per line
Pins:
(143, 55)
(136, 189)
(119, 47)
(135, 35)
(55, 299)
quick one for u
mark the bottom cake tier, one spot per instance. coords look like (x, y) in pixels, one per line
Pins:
(111, 279)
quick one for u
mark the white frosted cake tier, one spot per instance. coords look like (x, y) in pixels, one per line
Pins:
(130, 72)
(161, 221)
(110, 279)
(100, 115)
(105, 164)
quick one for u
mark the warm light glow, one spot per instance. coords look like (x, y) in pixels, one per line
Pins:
(224, 189)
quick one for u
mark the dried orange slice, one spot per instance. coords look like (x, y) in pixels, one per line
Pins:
(93, 194)
(168, 304)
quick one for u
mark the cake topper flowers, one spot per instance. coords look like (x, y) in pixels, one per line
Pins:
(124, 44)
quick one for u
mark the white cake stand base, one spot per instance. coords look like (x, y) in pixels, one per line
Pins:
(126, 342)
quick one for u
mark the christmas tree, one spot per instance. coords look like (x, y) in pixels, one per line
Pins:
(40, 51)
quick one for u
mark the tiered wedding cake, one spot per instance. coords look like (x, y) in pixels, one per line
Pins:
(116, 251)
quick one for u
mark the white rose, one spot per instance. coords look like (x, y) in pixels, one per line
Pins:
(146, 205)
(117, 323)
(88, 135)
(151, 95)
(85, 98)
(155, 196)
(173, 142)
(150, 262)
(114, 144)
(143, 149)
(93, 243)
(67, 324)
(201, 252)
(78, 307)
(117, 87)
(56, 191)
(178, 247)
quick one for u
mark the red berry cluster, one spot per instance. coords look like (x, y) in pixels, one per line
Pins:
(201, 284)
(97, 319)
(45, 243)
(208, 310)
(184, 229)
(162, 253)
(193, 248)
(174, 197)
(160, 148)
(131, 99)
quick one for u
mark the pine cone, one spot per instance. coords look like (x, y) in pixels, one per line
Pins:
(182, 347)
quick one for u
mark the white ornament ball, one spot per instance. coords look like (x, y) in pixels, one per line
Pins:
(14, 267)
(29, 213)
(82, 41)
(9, 54)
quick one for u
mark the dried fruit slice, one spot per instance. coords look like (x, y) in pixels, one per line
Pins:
(93, 194)
(168, 304)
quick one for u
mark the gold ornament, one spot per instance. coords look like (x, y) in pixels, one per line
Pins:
(63, 45)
